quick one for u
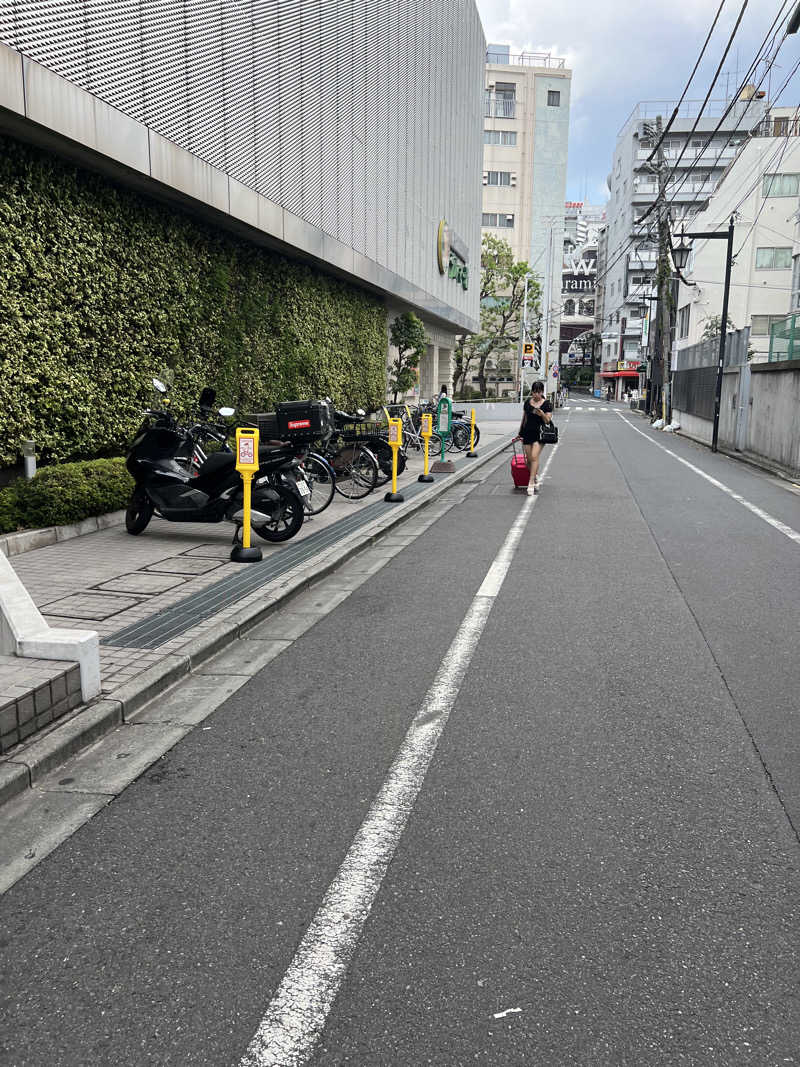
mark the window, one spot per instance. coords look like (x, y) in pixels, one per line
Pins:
(553, 98)
(683, 321)
(780, 185)
(498, 177)
(773, 258)
(504, 137)
(501, 221)
(569, 307)
(760, 324)
(796, 283)
(645, 142)
(698, 143)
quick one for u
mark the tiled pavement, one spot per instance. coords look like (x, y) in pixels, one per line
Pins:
(108, 580)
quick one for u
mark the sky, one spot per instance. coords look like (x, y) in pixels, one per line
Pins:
(624, 51)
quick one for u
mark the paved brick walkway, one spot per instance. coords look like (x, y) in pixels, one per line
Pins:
(108, 580)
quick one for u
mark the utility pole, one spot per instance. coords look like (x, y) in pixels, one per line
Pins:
(548, 299)
(663, 277)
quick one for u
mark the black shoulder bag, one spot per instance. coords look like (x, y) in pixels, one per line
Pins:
(548, 433)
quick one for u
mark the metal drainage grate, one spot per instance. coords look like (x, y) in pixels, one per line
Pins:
(199, 606)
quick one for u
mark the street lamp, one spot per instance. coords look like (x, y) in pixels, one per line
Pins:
(680, 257)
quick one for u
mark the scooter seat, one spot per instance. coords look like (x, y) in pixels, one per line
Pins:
(216, 462)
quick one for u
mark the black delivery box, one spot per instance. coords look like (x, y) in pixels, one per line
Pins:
(303, 418)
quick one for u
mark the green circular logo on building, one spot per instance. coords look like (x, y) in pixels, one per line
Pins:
(443, 246)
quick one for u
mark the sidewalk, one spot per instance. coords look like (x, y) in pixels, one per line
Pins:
(165, 601)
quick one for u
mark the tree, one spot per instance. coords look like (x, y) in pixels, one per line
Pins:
(407, 334)
(502, 295)
(713, 327)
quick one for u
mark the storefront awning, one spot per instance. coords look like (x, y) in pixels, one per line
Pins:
(619, 374)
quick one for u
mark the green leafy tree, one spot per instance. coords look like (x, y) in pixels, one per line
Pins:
(502, 295)
(713, 327)
(407, 334)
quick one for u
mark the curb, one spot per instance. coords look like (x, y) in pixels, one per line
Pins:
(22, 769)
(14, 544)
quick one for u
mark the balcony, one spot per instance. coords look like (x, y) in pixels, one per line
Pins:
(694, 157)
(499, 107)
(643, 260)
(634, 327)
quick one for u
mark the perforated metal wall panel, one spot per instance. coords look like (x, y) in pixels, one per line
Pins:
(361, 117)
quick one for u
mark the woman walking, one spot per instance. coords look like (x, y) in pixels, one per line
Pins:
(537, 411)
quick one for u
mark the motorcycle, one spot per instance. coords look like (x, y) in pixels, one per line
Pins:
(170, 485)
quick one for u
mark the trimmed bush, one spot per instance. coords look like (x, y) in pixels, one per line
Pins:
(104, 289)
(65, 494)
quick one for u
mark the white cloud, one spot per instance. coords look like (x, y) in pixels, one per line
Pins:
(620, 53)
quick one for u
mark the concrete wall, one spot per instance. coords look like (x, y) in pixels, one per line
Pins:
(770, 410)
(343, 131)
(774, 430)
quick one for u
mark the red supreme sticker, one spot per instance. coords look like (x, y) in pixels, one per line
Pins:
(299, 424)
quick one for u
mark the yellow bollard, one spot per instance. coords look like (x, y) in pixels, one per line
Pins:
(396, 443)
(472, 451)
(246, 465)
(426, 433)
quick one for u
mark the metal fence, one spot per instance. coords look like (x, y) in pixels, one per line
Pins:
(784, 342)
(694, 378)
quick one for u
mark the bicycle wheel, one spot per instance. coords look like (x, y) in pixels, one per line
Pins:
(356, 471)
(383, 454)
(434, 448)
(321, 480)
(459, 437)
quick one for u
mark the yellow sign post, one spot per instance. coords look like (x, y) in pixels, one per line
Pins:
(426, 432)
(472, 451)
(246, 465)
(396, 443)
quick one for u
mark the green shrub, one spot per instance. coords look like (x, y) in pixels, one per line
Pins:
(64, 494)
(104, 289)
(9, 508)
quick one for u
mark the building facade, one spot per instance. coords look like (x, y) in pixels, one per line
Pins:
(526, 127)
(627, 273)
(342, 135)
(582, 226)
(761, 190)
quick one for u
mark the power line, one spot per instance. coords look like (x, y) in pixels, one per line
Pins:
(674, 114)
(727, 110)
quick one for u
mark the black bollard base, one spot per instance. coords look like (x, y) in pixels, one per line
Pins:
(471, 455)
(394, 498)
(444, 467)
(425, 478)
(239, 554)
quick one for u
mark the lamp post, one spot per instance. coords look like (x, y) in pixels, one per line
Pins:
(680, 257)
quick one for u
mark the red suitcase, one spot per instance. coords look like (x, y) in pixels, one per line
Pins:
(519, 468)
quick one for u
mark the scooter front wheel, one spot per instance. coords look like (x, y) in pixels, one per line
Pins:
(287, 520)
(139, 512)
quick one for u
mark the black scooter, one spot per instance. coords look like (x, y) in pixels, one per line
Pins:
(166, 485)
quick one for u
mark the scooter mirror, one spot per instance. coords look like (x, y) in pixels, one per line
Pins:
(157, 384)
(227, 412)
(360, 412)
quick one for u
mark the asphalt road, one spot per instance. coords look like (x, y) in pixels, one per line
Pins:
(604, 846)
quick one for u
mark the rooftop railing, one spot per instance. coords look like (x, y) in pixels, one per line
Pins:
(526, 59)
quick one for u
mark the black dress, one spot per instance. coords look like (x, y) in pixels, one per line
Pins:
(533, 422)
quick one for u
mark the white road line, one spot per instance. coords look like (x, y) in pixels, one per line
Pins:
(297, 1014)
(793, 535)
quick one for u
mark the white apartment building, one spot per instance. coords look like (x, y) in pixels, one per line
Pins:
(526, 127)
(626, 270)
(761, 190)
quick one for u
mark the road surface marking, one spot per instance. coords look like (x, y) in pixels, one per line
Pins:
(793, 535)
(297, 1014)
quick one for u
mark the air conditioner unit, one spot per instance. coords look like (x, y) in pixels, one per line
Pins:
(509, 218)
(491, 85)
(513, 179)
(485, 178)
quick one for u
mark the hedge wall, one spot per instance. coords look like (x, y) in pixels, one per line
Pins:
(102, 289)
